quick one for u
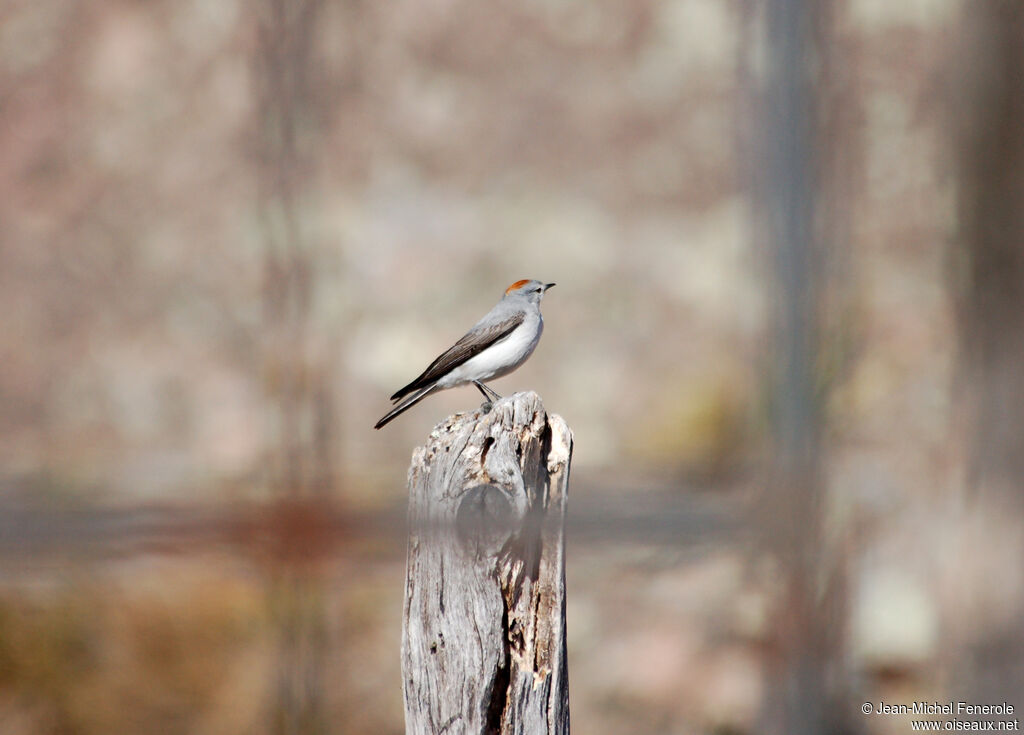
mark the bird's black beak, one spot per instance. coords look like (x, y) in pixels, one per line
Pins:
(549, 285)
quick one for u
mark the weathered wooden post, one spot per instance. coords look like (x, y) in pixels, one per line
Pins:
(483, 635)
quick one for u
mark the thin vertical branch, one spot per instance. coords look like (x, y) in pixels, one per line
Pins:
(992, 212)
(300, 463)
(797, 699)
(283, 58)
(991, 203)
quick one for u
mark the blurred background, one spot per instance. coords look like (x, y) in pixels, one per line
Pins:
(788, 336)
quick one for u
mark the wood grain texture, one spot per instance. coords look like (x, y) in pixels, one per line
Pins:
(483, 640)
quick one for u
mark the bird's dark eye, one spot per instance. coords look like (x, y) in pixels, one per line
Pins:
(536, 290)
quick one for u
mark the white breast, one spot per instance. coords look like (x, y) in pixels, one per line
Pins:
(499, 359)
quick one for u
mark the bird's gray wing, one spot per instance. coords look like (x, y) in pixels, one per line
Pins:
(472, 343)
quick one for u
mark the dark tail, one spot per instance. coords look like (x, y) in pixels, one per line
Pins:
(406, 404)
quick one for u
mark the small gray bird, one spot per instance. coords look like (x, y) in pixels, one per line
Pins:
(495, 346)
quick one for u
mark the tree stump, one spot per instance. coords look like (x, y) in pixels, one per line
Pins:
(483, 635)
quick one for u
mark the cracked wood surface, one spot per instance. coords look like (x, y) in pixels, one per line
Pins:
(483, 635)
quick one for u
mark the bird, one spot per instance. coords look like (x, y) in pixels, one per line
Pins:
(495, 346)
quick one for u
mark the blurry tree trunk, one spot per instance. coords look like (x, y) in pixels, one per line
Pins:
(991, 191)
(992, 216)
(797, 695)
(300, 454)
(284, 150)
(483, 641)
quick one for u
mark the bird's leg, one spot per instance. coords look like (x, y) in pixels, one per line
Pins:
(488, 393)
(489, 396)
